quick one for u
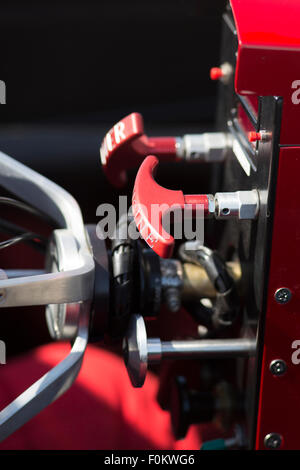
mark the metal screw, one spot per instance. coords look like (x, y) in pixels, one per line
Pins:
(273, 440)
(283, 295)
(278, 367)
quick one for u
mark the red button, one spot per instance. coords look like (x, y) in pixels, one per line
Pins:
(216, 73)
(254, 136)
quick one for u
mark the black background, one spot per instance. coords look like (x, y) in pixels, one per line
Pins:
(88, 60)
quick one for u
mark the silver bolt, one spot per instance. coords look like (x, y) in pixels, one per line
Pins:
(273, 440)
(283, 295)
(278, 367)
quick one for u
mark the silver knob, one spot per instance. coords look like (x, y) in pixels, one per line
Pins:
(139, 351)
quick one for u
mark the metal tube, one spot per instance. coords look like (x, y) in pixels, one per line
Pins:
(209, 348)
(154, 349)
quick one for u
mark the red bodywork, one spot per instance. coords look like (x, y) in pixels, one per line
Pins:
(268, 63)
(279, 409)
(268, 56)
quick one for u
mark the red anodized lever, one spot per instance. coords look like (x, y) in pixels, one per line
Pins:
(150, 202)
(125, 146)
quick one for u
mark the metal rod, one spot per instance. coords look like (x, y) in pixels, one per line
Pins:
(209, 348)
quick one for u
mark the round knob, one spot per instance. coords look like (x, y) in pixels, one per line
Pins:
(216, 73)
(135, 351)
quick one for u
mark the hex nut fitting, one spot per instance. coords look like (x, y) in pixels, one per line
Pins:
(240, 204)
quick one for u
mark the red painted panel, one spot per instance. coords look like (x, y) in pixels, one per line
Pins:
(268, 60)
(279, 409)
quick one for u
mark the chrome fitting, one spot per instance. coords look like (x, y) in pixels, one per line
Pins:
(206, 147)
(240, 204)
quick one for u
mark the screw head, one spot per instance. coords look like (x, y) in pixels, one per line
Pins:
(283, 295)
(278, 367)
(273, 440)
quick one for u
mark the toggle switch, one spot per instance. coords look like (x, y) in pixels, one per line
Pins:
(125, 146)
(151, 202)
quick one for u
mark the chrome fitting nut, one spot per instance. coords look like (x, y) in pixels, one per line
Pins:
(240, 204)
(207, 147)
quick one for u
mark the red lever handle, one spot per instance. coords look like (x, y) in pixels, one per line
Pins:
(150, 202)
(125, 146)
